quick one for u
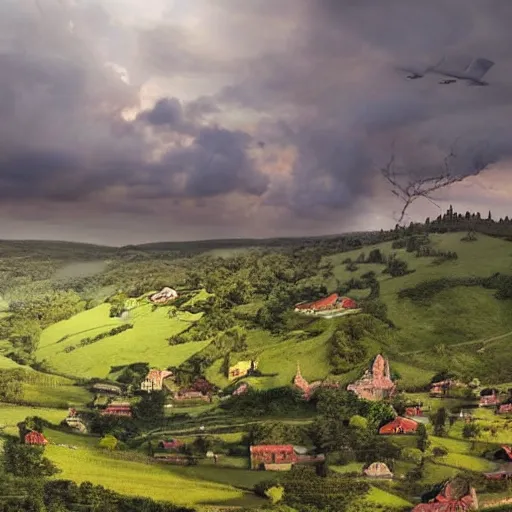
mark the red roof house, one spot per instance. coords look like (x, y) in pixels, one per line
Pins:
(488, 400)
(35, 438)
(121, 409)
(505, 409)
(399, 426)
(348, 303)
(413, 411)
(265, 455)
(173, 444)
(321, 304)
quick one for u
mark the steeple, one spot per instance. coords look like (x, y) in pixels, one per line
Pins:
(298, 374)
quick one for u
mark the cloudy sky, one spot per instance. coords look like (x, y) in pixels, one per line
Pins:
(127, 121)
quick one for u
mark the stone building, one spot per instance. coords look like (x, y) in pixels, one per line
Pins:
(376, 383)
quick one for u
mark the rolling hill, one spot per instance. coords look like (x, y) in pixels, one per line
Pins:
(449, 328)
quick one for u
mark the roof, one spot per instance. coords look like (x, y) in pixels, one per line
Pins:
(508, 451)
(272, 448)
(406, 423)
(321, 303)
(35, 438)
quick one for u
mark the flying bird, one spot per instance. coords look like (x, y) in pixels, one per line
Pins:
(473, 73)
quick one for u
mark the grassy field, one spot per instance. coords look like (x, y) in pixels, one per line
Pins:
(146, 342)
(382, 497)
(9, 364)
(277, 360)
(11, 415)
(181, 485)
(474, 313)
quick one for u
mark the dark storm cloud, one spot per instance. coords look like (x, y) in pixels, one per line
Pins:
(63, 136)
(322, 82)
(216, 163)
(348, 100)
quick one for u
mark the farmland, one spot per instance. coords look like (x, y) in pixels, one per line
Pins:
(147, 341)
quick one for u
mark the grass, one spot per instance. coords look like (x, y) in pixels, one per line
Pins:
(468, 462)
(11, 415)
(138, 477)
(276, 362)
(9, 364)
(60, 396)
(381, 497)
(473, 312)
(146, 342)
(352, 467)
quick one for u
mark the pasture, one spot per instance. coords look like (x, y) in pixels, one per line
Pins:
(146, 342)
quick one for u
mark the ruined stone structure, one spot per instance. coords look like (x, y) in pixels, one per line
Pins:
(376, 383)
(450, 500)
(166, 294)
(378, 470)
(300, 382)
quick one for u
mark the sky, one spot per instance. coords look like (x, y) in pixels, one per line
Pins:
(126, 122)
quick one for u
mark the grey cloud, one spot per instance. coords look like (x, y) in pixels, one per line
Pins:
(322, 82)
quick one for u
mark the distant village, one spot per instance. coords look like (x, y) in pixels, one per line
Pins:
(375, 384)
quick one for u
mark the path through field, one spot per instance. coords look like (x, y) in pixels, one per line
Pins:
(485, 341)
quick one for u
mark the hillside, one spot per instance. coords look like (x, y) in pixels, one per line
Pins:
(147, 341)
(428, 304)
(422, 342)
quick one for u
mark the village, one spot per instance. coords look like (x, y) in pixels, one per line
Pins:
(410, 418)
(375, 385)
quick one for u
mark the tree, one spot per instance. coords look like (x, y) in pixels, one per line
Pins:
(422, 441)
(358, 422)
(25, 460)
(151, 406)
(275, 494)
(224, 369)
(108, 442)
(439, 422)
(471, 430)
(409, 186)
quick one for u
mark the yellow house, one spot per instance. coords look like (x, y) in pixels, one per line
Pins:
(241, 369)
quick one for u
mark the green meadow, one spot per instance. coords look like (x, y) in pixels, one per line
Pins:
(136, 475)
(146, 342)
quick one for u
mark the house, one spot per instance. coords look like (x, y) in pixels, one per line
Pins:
(442, 388)
(499, 475)
(378, 470)
(154, 380)
(448, 500)
(332, 302)
(413, 411)
(166, 294)
(35, 438)
(241, 369)
(280, 457)
(118, 409)
(240, 390)
(188, 394)
(173, 444)
(399, 426)
(505, 409)
(489, 399)
(107, 388)
(376, 383)
(73, 420)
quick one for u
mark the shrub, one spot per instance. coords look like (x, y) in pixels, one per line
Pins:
(412, 455)
(439, 451)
